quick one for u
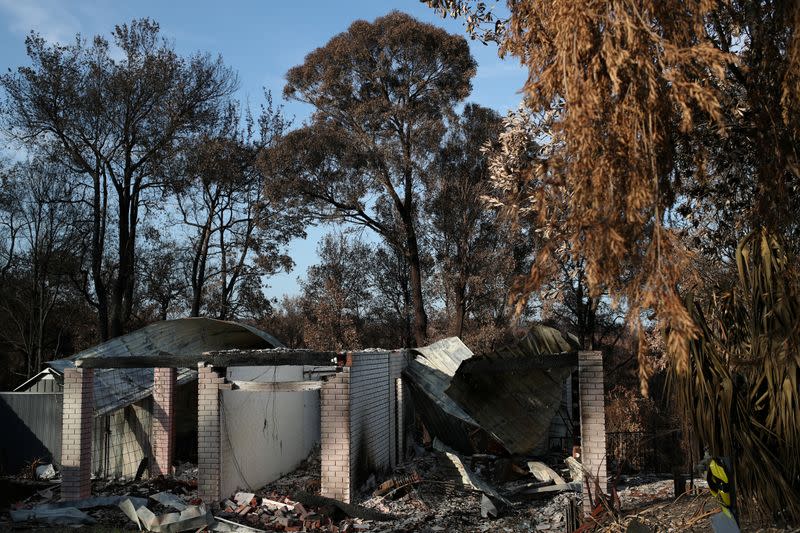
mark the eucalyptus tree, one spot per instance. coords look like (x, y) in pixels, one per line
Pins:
(237, 227)
(381, 93)
(115, 114)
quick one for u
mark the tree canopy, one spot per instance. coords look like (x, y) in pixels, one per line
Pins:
(381, 92)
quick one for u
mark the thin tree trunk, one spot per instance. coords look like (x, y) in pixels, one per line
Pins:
(118, 294)
(98, 237)
(457, 325)
(415, 271)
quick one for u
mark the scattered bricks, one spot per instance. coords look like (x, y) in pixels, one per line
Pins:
(593, 424)
(76, 445)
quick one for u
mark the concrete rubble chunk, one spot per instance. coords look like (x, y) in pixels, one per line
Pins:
(243, 498)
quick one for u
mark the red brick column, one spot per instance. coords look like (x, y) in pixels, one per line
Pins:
(162, 437)
(335, 436)
(76, 434)
(593, 424)
(209, 383)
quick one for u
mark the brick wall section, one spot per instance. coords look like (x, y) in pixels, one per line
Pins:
(335, 436)
(162, 437)
(593, 421)
(361, 420)
(76, 436)
(371, 409)
(209, 383)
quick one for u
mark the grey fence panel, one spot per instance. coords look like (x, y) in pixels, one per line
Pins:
(30, 425)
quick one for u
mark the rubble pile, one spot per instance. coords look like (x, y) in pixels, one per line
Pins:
(280, 513)
(435, 491)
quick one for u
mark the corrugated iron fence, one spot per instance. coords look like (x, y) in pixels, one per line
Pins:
(30, 423)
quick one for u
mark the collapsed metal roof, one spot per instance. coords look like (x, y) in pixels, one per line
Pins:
(116, 388)
(511, 393)
(430, 374)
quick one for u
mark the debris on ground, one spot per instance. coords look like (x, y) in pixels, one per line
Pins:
(46, 472)
(428, 493)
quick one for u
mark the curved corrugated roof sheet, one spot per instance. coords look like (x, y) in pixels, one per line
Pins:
(116, 388)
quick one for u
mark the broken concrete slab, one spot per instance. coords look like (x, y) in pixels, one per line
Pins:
(46, 472)
(243, 498)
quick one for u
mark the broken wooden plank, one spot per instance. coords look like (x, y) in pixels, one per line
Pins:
(227, 358)
(277, 386)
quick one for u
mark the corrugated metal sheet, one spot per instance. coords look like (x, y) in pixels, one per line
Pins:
(115, 388)
(519, 397)
(512, 393)
(31, 425)
(429, 375)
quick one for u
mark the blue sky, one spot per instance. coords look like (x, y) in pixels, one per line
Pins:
(261, 40)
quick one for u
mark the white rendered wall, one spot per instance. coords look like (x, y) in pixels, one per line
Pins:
(265, 434)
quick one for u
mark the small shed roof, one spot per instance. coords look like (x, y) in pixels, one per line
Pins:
(116, 388)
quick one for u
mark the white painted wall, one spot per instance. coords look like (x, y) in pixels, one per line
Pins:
(265, 434)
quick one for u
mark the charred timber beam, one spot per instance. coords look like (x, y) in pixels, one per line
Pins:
(227, 358)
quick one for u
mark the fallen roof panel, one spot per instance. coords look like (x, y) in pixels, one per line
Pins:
(429, 375)
(517, 400)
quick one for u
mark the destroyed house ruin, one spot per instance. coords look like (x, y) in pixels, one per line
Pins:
(364, 410)
(122, 398)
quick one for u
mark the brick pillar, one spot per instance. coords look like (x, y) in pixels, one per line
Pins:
(593, 423)
(335, 438)
(209, 383)
(162, 437)
(76, 434)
